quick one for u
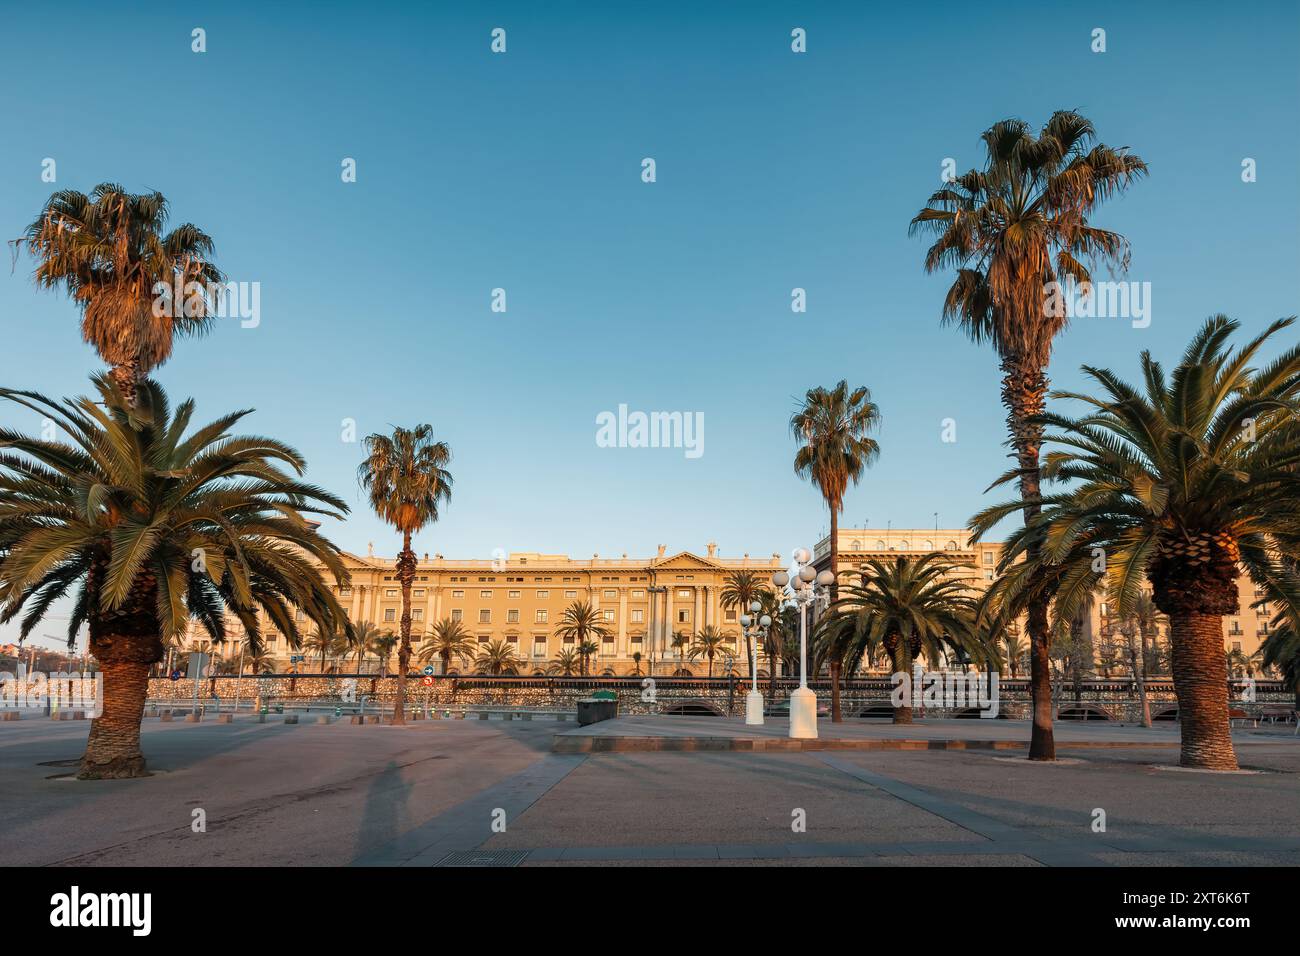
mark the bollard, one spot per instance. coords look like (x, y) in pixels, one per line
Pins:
(165, 716)
(193, 717)
(290, 718)
(78, 715)
(151, 712)
(356, 719)
(225, 718)
(372, 719)
(461, 715)
(324, 719)
(12, 715)
(261, 718)
(482, 715)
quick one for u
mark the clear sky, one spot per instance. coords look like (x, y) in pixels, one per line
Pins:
(522, 171)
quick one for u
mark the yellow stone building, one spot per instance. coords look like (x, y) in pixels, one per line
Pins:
(521, 598)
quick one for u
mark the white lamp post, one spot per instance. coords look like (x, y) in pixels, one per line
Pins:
(754, 700)
(806, 586)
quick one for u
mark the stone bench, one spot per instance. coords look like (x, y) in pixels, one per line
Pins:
(11, 715)
(290, 718)
(225, 718)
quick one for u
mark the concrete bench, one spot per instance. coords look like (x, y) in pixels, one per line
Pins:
(290, 718)
(194, 717)
(12, 715)
(225, 718)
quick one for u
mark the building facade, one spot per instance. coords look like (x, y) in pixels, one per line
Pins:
(521, 599)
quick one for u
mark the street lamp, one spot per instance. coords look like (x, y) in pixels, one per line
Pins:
(754, 700)
(806, 587)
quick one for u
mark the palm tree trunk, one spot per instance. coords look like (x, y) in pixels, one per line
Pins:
(113, 748)
(1201, 683)
(1024, 386)
(902, 661)
(126, 643)
(836, 716)
(1138, 678)
(405, 574)
(126, 377)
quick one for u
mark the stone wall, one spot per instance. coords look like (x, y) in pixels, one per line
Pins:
(1117, 700)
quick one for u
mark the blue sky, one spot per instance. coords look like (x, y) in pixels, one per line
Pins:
(522, 171)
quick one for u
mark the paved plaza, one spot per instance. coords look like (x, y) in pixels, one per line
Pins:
(496, 792)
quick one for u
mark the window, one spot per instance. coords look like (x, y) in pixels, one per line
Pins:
(514, 595)
(683, 592)
(484, 638)
(608, 615)
(390, 614)
(539, 647)
(390, 592)
(417, 614)
(486, 595)
(638, 595)
(457, 614)
(857, 546)
(950, 546)
(458, 594)
(880, 546)
(512, 616)
(418, 592)
(903, 546)
(988, 556)
(1236, 646)
(543, 595)
(610, 593)
(638, 616)
(927, 546)
(684, 616)
(731, 614)
(570, 594)
(484, 616)
(541, 617)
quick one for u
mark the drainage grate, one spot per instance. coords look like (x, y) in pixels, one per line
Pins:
(483, 858)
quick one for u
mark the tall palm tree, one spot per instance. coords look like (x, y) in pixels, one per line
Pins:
(1180, 482)
(710, 641)
(109, 252)
(368, 641)
(681, 643)
(406, 477)
(446, 640)
(833, 426)
(582, 626)
(739, 590)
(1010, 229)
(148, 526)
(497, 658)
(382, 646)
(908, 607)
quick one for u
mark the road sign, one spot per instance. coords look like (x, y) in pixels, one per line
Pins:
(175, 676)
(428, 670)
(426, 681)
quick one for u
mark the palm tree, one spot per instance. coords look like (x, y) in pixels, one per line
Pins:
(681, 643)
(780, 634)
(709, 642)
(832, 426)
(448, 639)
(382, 646)
(636, 663)
(406, 476)
(1010, 230)
(740, 589)
(567, 662)
(909, 607)
(1179, 482)
(148, 527)
(497, 658)
(582, 625)
(1281, 649)
(108, 251)
(369, 640)
(1015, 652)
(330, 645)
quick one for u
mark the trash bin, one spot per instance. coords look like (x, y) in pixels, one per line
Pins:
(594, 709)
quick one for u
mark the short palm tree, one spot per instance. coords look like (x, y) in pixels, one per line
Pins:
(783, 629)
(497, 658)
(582, 625)
(1180, 483)
(1281, 649)
(109, 252)
(368, 640)
(405, 475)
(447, 639)
(909, 607)
(833, 427)
(567, 663)
(1014, 652)
(636, 663)
(382, 646)
(330, 645)
(149, 524)
(708, 643)
(1009, 230)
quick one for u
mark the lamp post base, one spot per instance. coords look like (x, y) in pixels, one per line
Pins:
(803, 714)
(754, 708)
